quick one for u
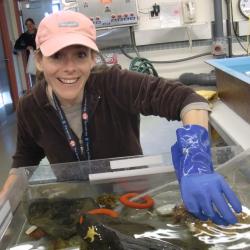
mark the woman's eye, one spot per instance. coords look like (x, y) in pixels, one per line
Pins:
(57, 55)
(82, 54)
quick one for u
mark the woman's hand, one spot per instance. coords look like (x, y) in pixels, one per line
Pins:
(205, 193)
(29, 48)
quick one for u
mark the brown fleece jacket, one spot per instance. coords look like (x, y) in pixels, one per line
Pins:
(116, 97)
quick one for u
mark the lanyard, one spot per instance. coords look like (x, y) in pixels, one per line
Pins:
(80, 151)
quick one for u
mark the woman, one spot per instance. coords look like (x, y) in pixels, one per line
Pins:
(79, 112)
(26, 42)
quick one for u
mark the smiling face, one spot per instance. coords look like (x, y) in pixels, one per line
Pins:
(67, 71)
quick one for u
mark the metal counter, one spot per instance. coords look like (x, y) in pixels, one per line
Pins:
(231, 127)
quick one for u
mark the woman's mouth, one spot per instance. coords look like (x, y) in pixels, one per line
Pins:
(68, 81)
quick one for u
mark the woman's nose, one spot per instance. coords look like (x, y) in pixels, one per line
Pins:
(69, 65)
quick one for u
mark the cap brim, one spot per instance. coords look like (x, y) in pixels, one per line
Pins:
(57, 43)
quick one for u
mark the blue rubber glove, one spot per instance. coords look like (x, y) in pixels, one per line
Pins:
(204, 192)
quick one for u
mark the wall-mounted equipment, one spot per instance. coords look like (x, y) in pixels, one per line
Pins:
(244, 6)
(105, 13)
(156, 10)
(189, 11)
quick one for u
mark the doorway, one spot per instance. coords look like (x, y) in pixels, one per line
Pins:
(35, 10)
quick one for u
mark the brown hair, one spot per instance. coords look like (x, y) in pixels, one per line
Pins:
(29, 20)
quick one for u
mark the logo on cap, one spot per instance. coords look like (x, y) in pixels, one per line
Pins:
(68, 24)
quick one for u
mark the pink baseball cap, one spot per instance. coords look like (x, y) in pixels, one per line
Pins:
(64, 28)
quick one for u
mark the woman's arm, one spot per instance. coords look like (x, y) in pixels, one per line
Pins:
(14, 187)
(197, 117)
